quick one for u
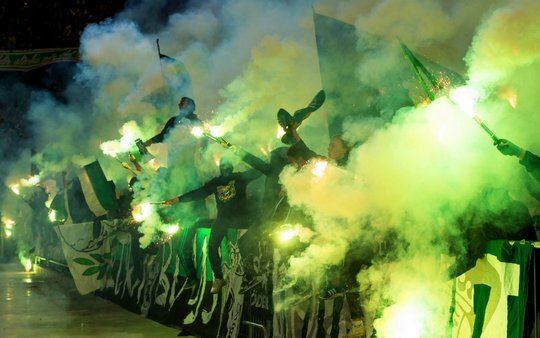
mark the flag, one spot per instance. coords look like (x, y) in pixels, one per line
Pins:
(342, 51)
(161, 97)
(177, 83)
(175, 75)
(99, 193)
(433, 82)
(79, 211)
(89, 260)
(491, 298)
(338, 60)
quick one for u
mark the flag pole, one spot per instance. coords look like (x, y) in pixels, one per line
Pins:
(160, 65)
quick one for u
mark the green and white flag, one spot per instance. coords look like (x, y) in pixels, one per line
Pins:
(491, 298)
(88, 258)
(98, 192)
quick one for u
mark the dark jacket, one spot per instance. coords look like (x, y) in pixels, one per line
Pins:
(230, 193)
(531, 162)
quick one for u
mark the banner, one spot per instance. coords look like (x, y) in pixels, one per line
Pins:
(98, 191)
(24, 60)
(87, 253)
(491, 298)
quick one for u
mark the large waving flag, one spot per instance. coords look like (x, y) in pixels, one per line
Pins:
(342, 52)
(338, 60)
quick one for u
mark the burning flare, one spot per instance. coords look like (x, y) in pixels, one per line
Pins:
(466, 98)
(172, 229)
(130, 132)
(280, 132)
(15, 188)
(216, 131)
(8, 223)
(28, 265)
(24, 182)
(287, 232)
(197, 131)
(319, 168)
(52, 215)
(142, 212)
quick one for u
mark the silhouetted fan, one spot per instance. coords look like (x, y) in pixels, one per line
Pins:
(285, 119)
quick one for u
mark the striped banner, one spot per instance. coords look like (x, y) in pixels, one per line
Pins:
(25, 60)
(98, 192)
(491, 298)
